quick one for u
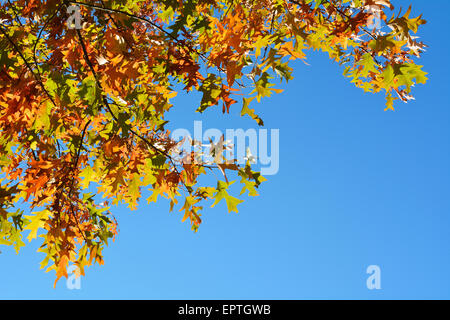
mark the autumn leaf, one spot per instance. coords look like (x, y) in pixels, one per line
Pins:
(221, 193)
(36, 222)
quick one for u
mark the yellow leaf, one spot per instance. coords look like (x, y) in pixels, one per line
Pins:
(36, 221)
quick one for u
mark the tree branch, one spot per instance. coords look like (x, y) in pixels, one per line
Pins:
(106, 103)
(16, 48)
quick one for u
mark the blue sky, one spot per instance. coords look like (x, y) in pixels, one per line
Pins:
(357, 186)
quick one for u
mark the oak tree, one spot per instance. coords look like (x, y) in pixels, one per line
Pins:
(85, 88)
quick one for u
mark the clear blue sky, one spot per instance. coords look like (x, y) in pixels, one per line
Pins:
(357, 186)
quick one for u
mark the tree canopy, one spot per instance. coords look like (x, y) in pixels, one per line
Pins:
(85, 88)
